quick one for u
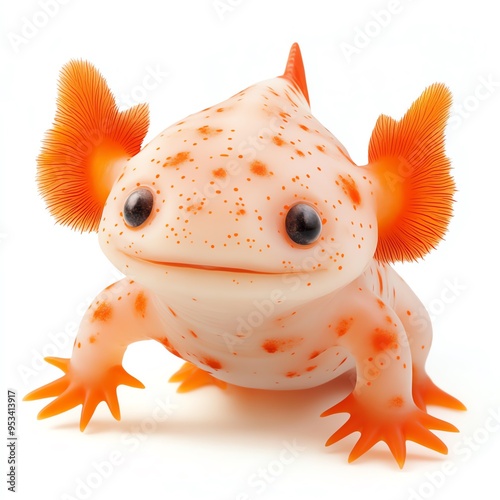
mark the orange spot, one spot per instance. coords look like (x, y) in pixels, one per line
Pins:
(212, 363)
(206, 130)
(194, 208)
(271, 346)
(408, 313)
(193, 334)
(219, 173)
(350, 189)
(292, 374)
(278, 141)
(294, 104)
(103, 312)
(299, 152)
(165, 342)
(79, 345)
(92, 339)
(172, 311)
(381, 303)
(314, 354)
(177, 159)
(281, 345)
(140, 304)
(380, 282)
(311, 368)
(343, 326)
(258, 168)
(384, 339)
(396, 402)
(304, 127)
(320, 148)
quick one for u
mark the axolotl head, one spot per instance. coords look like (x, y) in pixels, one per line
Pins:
(253, 191)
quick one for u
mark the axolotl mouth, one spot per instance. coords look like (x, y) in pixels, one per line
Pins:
(204, 267)
(228, 284)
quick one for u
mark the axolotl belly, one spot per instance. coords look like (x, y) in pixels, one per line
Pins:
(255, 249)
(274, 340)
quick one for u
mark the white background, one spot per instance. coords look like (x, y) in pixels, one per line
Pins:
(214, 444)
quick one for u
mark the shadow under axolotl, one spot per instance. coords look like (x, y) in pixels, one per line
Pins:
(240, 416)
(237, 411)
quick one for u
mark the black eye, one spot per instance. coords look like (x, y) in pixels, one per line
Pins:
(138, 207)
(303, 224)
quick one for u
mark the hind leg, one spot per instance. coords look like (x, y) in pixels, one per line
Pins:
(418, 327)
(192, 377)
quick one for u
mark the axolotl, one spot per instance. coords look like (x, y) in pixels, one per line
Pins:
(255, 249)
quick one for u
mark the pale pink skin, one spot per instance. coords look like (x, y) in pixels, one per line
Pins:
(317, 312)
(213, 275)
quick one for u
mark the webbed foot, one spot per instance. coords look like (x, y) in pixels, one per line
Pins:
(73, 389)
(401, 423)
(192, 377)
(426, 392)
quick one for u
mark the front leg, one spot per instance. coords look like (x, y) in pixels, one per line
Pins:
(120, 315)
(381, 404)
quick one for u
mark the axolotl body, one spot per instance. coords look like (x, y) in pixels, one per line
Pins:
(255, 249)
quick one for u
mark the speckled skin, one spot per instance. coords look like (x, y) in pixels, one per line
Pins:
(219, 201)
(222, 205)
(213, 276)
